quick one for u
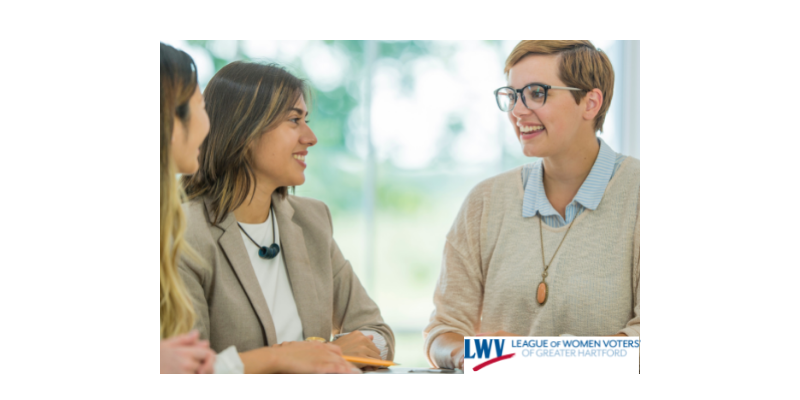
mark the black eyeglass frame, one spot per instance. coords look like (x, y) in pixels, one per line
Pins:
(521, 95)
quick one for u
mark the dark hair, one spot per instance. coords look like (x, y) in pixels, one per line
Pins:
(243, 100)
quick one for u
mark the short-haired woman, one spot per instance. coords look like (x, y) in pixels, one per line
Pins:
(276, 273)
(184, 125)
(551, 247)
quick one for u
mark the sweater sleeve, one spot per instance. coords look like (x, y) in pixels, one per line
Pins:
(458, 296)
(632, 327)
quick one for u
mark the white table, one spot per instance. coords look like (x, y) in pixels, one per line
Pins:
(420, 370)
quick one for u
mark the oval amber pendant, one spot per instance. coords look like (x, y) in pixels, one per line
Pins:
(541, 293)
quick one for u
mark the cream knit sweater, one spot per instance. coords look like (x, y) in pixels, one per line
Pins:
(492, 265)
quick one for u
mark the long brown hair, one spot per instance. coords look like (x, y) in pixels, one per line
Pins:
(581, 65)
(178, 83)
(243, 100)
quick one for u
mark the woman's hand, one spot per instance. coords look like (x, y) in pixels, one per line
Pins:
(310, 358)
(498, 333)
(457, 357)
(207, 366)
(447, 351)
(185, 354)
(359, 345)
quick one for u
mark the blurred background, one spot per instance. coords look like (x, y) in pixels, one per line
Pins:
(405, 130)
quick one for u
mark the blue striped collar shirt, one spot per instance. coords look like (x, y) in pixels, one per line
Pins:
(589, 195)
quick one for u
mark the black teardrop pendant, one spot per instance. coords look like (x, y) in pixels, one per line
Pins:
(275, 249)
(264, 251)
(269, 252)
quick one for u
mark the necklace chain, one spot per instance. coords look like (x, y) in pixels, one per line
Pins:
(272, 214)
(541, 240)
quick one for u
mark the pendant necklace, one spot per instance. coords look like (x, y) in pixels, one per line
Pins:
(264, 251)
(541, 291)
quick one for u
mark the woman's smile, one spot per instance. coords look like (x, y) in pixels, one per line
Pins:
(300, 157)
(528, 132)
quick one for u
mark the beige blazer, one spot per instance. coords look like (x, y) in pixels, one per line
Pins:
(232, 310)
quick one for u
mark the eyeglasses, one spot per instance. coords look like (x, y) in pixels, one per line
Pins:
(533, 96)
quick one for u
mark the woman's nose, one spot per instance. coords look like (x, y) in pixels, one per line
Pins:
(519, 108)
(308, 137)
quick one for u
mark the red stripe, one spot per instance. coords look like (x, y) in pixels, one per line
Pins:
(492, 361)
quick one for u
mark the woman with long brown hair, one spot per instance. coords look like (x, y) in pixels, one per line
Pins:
(184, 126)
(276, 273)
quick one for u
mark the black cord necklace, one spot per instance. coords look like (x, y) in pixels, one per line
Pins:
(264, 251)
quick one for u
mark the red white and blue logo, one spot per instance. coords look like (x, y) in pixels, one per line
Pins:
(522, 355)
(482, 349)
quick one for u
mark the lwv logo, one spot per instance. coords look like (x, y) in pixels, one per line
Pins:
(483, 348)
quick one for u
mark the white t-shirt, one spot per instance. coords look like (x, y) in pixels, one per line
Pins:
(274, 281)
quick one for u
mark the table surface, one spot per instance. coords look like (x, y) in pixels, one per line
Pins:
(420, 370)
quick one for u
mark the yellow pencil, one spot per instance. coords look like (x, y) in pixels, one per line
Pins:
(369, 361)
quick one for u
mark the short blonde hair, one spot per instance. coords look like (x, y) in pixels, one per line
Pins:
(581, 66)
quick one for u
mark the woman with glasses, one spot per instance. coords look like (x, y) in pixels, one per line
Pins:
(275, 274)
(550, 248)
(184, 126)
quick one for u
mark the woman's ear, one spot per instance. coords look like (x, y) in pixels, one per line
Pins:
(593, 101)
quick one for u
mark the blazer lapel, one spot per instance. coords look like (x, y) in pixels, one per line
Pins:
(236, 253)
(298, 266)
